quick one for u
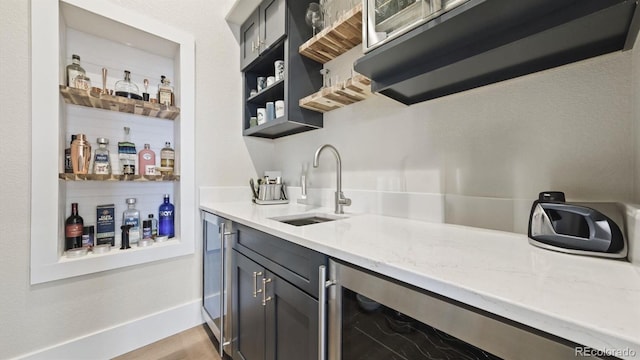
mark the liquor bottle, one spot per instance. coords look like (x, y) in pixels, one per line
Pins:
(73, 229)
(74, 69)
(127, 154)
(166, 216)
(68, 168)
(131, 216)
(154, 226)
(126, 88)
(101, 161)
(167, 157)
(146, 161)
(165, 92)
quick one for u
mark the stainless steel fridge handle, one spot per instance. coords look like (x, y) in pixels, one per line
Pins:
(223, 285)
(323, 284)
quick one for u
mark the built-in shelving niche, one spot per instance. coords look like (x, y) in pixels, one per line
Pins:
(105, 35)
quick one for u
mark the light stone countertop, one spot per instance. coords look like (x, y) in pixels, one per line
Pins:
(591, 301)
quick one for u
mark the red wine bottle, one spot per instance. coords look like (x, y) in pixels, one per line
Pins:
(73, 229)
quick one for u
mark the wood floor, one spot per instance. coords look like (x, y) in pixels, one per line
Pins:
(192, 344)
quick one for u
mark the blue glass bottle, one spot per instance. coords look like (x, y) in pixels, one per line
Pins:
(165, 218)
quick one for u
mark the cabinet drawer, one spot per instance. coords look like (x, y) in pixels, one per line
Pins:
(294, 263)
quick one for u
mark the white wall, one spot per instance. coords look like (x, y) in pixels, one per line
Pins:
(35, 317)
(569, 128)
(491, 150)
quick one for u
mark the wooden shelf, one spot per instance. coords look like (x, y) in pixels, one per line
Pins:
(117, 103)
(353, 90)
(337, 39)
(113, 177)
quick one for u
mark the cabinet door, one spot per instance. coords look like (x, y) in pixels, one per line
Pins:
(272, 22)
(249, 40)
(249, 317)
(292, 322)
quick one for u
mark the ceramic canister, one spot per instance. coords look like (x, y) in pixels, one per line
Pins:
(279, 69)
(271, 111)
(262, 83)
(262, 116)
(279, 108)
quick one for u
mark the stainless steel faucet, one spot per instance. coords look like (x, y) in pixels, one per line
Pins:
(339, 198)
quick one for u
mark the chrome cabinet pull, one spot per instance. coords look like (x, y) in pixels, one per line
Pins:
(264, 291)
(256, 291)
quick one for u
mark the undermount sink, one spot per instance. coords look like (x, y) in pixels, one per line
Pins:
(307, 219)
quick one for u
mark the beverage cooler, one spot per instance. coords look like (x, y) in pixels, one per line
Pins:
(216, 297)
(371, 317)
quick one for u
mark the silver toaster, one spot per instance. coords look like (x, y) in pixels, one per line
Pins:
(576, 228)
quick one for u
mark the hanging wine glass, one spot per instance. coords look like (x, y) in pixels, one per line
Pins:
(314, 17)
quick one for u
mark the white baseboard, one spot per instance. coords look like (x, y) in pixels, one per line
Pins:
(120, 339)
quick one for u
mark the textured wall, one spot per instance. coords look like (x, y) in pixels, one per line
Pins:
(35, 317)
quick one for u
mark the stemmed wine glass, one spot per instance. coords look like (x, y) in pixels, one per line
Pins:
(314, 17)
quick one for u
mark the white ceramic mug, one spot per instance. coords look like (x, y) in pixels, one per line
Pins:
(271, 80)
(262, 116)
(279, 69)
(279, 108)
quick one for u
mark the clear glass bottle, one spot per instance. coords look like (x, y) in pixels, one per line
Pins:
(126, 88)
(127, 154)
(73, 70)
(101, 160)
(166, 214)
(167, 159)
(165, 92)
(154, 226)
(131, 216)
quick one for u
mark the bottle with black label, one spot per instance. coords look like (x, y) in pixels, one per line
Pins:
(73, 229)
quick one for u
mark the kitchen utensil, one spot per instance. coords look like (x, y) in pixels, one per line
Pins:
(253, 188)
(575, 229)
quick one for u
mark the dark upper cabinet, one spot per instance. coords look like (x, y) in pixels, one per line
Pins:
(249, 40)
(273, 22)
(487, 41)
(278, 28)
(265, 26)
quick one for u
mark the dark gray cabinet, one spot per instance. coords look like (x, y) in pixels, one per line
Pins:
(265, 26)
(486, 41)
(249, 40)
(274, 292)
(275, 31)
